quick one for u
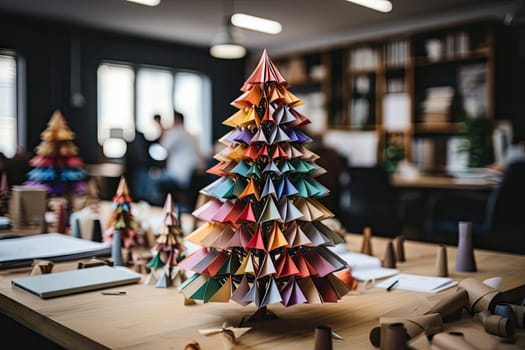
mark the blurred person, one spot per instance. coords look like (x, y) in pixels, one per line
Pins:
(183, 160)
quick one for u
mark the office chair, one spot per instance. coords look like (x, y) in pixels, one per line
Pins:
(505, 219)
(497, 218)
(373, 202)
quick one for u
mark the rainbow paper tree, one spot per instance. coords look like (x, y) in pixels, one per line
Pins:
(262, 237)
(169, 246)
(121, 227)
(56, 164)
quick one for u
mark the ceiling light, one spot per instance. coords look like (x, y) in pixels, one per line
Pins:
(227, 51)
(226, 45)
(378, 5)
(146, 2)
(256, 23)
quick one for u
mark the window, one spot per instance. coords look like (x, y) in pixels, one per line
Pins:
(8, 105)
(115, 108)
(157, 91)
(154, 96)
(192, 98)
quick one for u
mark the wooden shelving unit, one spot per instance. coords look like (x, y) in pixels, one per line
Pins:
(384, 84)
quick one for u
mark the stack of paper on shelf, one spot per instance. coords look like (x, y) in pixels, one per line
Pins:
(436, 107)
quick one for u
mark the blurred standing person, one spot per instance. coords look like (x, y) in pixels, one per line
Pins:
(183, 158)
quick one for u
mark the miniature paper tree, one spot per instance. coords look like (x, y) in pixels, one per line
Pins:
(121, 223)
(56, 164)
(263, 240)
(169, 244)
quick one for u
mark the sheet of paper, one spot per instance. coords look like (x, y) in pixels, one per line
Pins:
(418, 283)
(364, 267)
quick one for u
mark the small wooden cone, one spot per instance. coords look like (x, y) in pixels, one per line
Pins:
(389, 260)
(400, 248)
(366, 245)
(442, 262)
(323, 338)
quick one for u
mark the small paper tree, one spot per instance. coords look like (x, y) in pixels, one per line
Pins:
(56, 163)
(121, 228)
(169, 246)
(263, 240)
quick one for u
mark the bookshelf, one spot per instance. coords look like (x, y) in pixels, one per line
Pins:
(310, 75)
(413, 89)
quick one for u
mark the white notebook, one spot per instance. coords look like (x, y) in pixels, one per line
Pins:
(76, 281)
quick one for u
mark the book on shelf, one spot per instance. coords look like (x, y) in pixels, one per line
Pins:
(436, 107)
(363, 58)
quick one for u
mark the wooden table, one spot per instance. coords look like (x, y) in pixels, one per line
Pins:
(153, 318)
(443, 182)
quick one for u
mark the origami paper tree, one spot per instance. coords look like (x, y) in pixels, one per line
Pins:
(263, 240)
(169, 245)
(56, 164)
(122, 220)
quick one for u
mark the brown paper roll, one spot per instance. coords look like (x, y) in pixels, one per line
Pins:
(429, 324)
(393, 336)
(519, 314)
(481, 297)
(450, 308)
(419, 343)
(442, 262)
(389, 259)
(323, 338)
(497, 325)
(451, 341)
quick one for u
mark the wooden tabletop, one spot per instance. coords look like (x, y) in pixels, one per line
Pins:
(443, 182)
(147, 317)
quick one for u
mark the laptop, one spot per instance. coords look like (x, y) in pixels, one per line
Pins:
(76, 281)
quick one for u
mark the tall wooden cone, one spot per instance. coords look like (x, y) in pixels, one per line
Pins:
(366, 245)
(389, 260)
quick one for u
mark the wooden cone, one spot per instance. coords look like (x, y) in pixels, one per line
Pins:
(400, 248)
(389, 260)
(442, 261)
(323, 338)
(465, 260)
(366, 245)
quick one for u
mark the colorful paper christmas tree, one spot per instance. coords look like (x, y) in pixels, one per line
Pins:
(263, 240)
(169, 246)
(122, 220)
(56, 164)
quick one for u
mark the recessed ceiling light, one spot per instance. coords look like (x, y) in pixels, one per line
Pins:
(146, 2)
(378, 5)
(256, 23)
